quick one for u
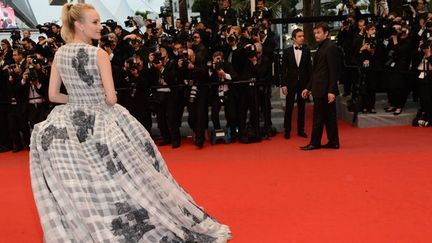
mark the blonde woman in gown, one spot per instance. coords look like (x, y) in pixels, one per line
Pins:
(96, 174)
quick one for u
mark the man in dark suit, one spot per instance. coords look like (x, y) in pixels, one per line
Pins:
(297, 67)
(228, 16)
(323, 85)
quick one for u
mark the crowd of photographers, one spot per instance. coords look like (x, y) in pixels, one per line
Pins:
(393, 53)
(160, 72)
(226, 64)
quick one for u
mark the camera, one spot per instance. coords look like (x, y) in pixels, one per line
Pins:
(157, 57)
(250, 51)
(15, 35)
(165, 12)
(185, 59)
(32, 74)
(152, 27)
(130, 22)
(218, 64)
(132, 63)
(45, 28)
(232, 38)
(194, 20)
(106, 42)
(133, 41)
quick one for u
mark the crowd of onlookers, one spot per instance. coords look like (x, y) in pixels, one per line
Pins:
(393, 52)
(222, 63)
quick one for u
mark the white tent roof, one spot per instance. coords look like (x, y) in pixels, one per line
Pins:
(123, 11)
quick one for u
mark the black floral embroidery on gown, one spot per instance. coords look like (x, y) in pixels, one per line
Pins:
(50, 133)
(150, 150)
(194, 218)
(81, 60)
(197, 237)
(119, 163)
(132, 224)
(110, 165)
(83, 123)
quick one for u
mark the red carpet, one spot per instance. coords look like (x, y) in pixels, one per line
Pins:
(377, 188)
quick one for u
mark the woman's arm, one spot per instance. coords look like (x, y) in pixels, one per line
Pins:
(54, 87)
(104, 66)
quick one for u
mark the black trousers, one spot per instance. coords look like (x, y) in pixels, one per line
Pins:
(324, 114)
(264, 100)
(292, 97)
(248, 102)
(167, 115)
(5, 139)
(37, 113)
(425, 95)
(139, 107)
(198, 114)
(369, 90)
(18, 124)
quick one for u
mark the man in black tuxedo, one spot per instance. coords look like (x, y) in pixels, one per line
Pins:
(323, 85)
(228, 16)
(297, 67)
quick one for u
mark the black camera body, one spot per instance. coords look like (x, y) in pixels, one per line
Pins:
(32, 74)
(157, 57)
(165, 12)
(15, 35)
(130, 22)
(185, 59)
(250, 51)
(132, 63)
(232, 38)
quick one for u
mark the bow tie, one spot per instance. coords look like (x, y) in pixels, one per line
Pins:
(298, 48)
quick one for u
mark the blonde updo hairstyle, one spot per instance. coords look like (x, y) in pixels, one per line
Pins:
(70, 14)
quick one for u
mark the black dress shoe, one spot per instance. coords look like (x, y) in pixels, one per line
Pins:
(287, 135)
(163, 143)
(16, 150)
(199, 143)
(331, 146)
(302, 134)
(4, 149)
(175, 144)
(310, 147)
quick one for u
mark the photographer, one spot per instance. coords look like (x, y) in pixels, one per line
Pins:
(366, 56)
(164, 72)
(423, 63)
(181, 35)
(345, 39)
(199, 49)
(29, 45)
(227, 16)
(401, 50)
(261, 12)
(248, 98)
(17, 116)
(5, 60)
(349, 7)
(221, 73)
(35, 85)
(194, 74)
(381, 8)
(138, 84)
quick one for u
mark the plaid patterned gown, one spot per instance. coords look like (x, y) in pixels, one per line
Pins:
(97, 176)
